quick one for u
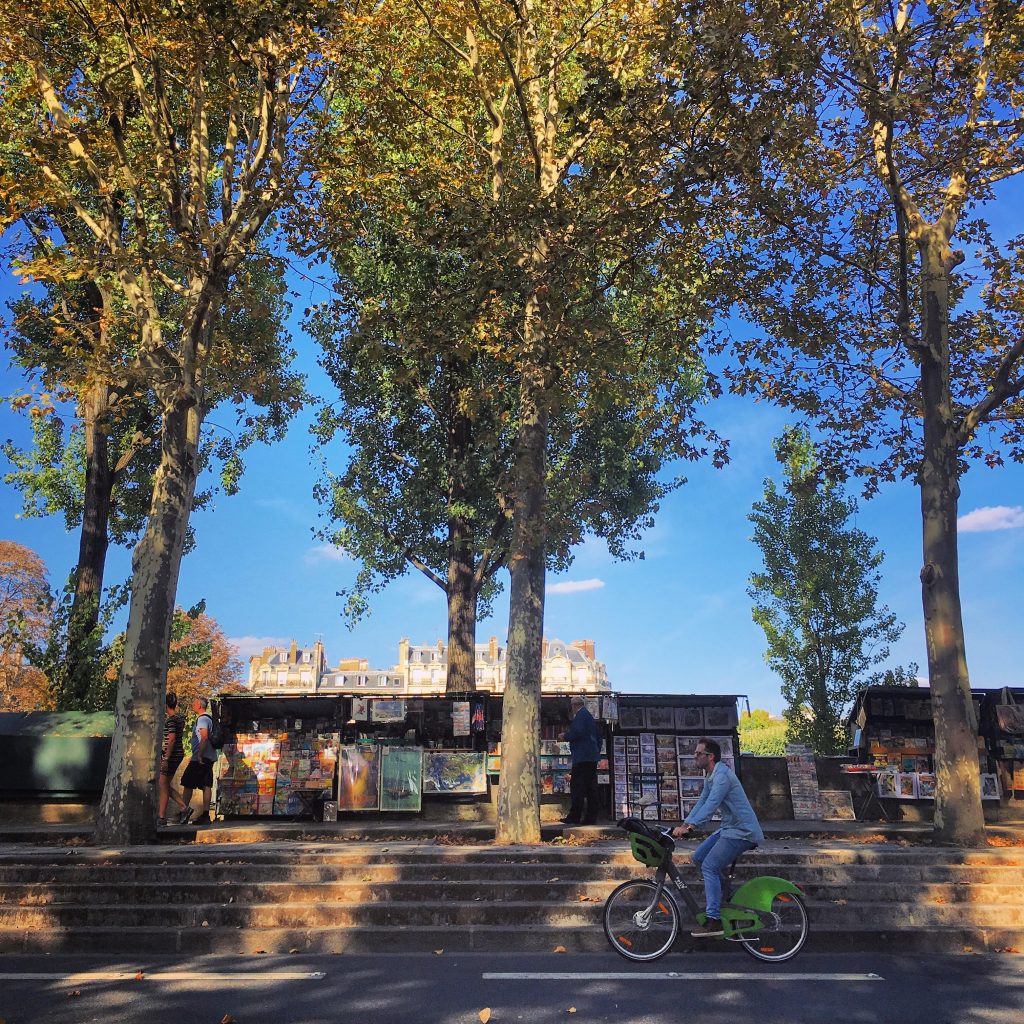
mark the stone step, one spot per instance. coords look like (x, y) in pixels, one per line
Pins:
(245, 891)
(456, 914)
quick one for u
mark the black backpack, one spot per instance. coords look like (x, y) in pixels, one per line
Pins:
(216, 734)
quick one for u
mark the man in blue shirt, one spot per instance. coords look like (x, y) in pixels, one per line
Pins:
(585, 746)
(740, 830)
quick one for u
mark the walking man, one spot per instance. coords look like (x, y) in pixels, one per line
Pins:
(740, 830)
(585, 745)
(198, 772)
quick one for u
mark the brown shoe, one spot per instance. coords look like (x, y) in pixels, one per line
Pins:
(708, 930)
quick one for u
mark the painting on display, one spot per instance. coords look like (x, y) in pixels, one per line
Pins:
(359, 777)
(660, 718)
(454, 771)
(691, 719)
(401, 775)
(388, 711)
(631, 717)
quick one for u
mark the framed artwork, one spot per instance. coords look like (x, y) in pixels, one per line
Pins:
(691, 719)
(660, 718)
(359, 777)
(690, 786)
(906, 785)
(989, 786)
(401, 775)
(720, 717)
(836, 804)
(886, 784)
(926, 786)
(631, 717)
(686, 745)
(387, 711)
(454, 771)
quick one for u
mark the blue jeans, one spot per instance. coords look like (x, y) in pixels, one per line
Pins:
(713, 857)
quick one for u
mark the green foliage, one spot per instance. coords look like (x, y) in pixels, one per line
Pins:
(817, 596)
(89, 681)
(762, 735)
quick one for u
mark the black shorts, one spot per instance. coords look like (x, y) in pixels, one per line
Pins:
(197, 775)
(170, 768)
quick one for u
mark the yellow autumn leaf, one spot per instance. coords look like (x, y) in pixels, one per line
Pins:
(559, 949)
(484, 1015)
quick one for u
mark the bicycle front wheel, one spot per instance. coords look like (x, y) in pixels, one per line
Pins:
(640, 924)
(785, 932)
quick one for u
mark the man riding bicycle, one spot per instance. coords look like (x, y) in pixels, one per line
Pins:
(740, 830)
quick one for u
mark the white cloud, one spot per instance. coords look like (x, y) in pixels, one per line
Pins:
(994, 517)
(574, 586)
(326, 553)
(250, 645)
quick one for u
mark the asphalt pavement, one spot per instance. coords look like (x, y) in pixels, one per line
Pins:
(442, 988)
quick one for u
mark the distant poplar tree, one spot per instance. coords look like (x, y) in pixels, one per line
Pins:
(817, 598)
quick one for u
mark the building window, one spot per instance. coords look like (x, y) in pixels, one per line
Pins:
(282, 678)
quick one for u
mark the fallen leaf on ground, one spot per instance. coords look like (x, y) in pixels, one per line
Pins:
(294, 949)
(74, 993)
(228, 1019)
(139, 976)
(259, 951)
(572, 1009)
(968, 949)
(1007, 949)
(558, 949)
(484, 1015)
(438, 952)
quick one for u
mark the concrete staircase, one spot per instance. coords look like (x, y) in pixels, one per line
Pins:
(417, 896)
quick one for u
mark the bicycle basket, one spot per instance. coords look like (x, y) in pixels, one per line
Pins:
(650, 848)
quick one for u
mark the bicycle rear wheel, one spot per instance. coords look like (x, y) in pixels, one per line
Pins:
(783, 942)
(638, 925)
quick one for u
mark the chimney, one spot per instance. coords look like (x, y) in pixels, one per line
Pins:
(292, 657)
(586, 646)
(492, 648)
(403, 651)
(544, 648)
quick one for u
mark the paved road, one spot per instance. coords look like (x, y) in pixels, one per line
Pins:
(714, 988)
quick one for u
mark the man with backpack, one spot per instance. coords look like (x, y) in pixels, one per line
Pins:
(198, 772)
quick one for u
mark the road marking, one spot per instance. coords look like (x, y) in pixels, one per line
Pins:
(84, 977)
(679, 976)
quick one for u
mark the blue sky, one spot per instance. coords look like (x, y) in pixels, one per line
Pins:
(677, 622)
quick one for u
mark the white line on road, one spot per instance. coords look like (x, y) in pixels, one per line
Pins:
(679, 976)
(84, 977)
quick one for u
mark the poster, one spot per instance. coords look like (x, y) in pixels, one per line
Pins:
(454, 771)
(631, 718)
(359, 778)
(803, 781)
(460, 717)
(610, 709)
(360, 709)
(401, 775)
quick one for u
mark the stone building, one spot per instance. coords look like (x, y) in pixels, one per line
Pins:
(421, 670)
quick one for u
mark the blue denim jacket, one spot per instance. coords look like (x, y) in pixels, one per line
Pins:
(723, 790)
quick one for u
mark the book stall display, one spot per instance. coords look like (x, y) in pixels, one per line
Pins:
(894, 737)
(1003, 725)
(654, 770)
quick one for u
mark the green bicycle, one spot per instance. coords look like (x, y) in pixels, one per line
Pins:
(766, 915)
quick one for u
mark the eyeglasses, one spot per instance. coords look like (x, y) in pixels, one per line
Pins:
(701, 753)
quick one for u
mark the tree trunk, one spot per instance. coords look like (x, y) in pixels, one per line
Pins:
(461, 618)
(92, 554)
(127, 812)
(518, 818)
(958, 812)
(461, 589)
